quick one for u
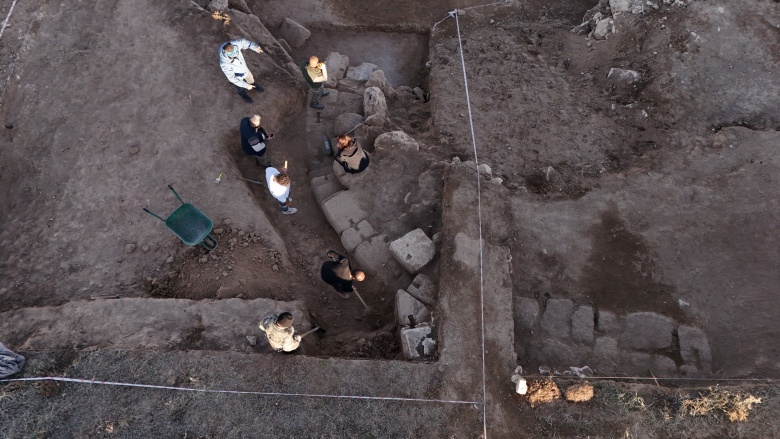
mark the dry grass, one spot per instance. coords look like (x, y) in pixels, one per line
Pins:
(735, 405)
(579, 393)
(541, 391)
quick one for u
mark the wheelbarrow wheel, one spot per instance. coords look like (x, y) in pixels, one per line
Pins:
(209, 243)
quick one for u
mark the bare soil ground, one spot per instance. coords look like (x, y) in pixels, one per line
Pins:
(658, 196)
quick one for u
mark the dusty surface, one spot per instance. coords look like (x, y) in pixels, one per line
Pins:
(657, 196)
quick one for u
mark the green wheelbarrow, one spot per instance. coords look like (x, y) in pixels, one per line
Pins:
(191, 225)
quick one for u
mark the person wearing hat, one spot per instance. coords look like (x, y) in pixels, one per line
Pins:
(233, 65)
(316, 75)
(253, 138)
(280, 332)
(338, 273)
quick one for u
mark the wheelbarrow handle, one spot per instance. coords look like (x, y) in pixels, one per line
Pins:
(209, 243)
(154, 214)
(174, 193)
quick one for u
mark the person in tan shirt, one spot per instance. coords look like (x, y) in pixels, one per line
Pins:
(316, 75)
(280, 332)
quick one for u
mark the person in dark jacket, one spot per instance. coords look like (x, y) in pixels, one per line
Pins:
(254, 138)
(350, 155)
(338, 273)
(316, 75)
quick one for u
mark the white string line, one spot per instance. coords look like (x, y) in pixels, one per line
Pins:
(7, 17)
(479, 218)
(238, 392)
(571, 377)
(450, 14)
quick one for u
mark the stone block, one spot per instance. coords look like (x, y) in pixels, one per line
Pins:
(659, 365)
(413, 250)
(375, 120)
(351, 238)
(345, 123)
(337, 65)
(396, 140)
(485, 170)
(608, 323)
(603, 28)
(293, 32)
(350, 103)
(342, 211)
(406, 305)
(411, 341)
(694, 347)
(647, 331)
(556, 317)
(324, 187)
(374, 102)
(361, 72)
(526, 312)
(556, 353)
(582, 323)
(423, 289)
(378, 79)
(429, 347)
(367, 136)
(633, 6)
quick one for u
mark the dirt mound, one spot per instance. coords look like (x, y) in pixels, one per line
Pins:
(579, 393)
(542, 391)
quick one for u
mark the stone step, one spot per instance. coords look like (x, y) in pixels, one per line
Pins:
(324, 187)
(145, 323)
(323, 171)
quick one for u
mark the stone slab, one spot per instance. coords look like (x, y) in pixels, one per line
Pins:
(608, 323)
(411, 341)
(406, 305)
(361, 72)
(374, 257)
(423, 289)
(413, 250)
(342, 211)
(582, 325)
(647, 331)
(556, 317)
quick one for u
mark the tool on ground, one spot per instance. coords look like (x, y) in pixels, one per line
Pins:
(252, 181)
(316, 328)
(368, 308)
(328, 145)
(219, 178)
(191, 225)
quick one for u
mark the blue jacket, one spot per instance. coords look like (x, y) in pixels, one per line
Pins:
(235, 68)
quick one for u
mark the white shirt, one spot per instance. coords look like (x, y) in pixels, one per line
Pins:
(281, 193)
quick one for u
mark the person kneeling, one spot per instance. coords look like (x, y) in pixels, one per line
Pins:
(351, 156)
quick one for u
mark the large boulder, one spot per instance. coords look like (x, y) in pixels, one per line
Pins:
(374, 102)
(361, 72)
(396, 140)
(337, 65)
(293, 32)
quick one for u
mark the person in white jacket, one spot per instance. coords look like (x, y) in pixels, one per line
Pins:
(279, 186)
(233, 65)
